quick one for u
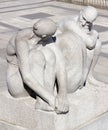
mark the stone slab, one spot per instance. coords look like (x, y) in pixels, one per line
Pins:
(85, 105)
(99, 124)
(8, 126)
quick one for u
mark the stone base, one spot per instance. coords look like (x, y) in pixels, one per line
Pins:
(85, 105)
(99, 124)
(8, 126)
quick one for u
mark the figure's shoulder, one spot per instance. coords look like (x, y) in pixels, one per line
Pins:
(22, 34)
(95, 33)
(68, 23)
(65, 20)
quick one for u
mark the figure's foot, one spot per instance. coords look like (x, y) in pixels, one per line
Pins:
(19, 95)
(62, 105)
(95, 82)
(43, 106)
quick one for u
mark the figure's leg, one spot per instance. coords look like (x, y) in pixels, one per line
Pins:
(90, 54)
(95, 58)
(97, 51)
(14, 82)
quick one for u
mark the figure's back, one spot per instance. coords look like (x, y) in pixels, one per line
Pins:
(75, 53)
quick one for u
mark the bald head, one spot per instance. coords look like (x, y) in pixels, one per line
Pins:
(44, 27)
(90, 13)
(86, 18)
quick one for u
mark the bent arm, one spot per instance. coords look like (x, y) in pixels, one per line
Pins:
(62, 105)
(22, 51)
(89, 39)
(11, 46)
(61, 73)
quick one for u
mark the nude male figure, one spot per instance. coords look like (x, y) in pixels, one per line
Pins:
(34, 59)
(82, 25)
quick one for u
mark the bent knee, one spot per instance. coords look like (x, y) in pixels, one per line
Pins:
(15, 88)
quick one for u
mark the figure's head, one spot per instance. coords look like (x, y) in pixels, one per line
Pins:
(87, 16)
(44, 27)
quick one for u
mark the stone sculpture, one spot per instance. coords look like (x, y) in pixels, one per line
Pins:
(33, 59)
(82, 25)
(53, 66)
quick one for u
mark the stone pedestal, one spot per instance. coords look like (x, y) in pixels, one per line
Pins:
(85, 106)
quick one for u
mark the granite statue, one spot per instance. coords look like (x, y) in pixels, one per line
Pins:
(35, 60)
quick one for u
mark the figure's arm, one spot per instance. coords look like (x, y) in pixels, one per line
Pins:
(95, 56)
(22, 51)
(62, 105)
(89, 39)
(10, 47)
(61, 74)
(61, 79)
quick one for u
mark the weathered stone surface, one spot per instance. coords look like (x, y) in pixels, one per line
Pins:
(59, 119)
(85, 105)
(100, 124)
(9, 126)
(22, 112)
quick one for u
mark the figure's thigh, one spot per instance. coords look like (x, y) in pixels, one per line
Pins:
(15, 82)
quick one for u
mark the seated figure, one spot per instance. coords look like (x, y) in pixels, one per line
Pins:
(82, 26)
(34, 59)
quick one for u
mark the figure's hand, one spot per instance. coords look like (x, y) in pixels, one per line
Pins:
(61, 104)
(52, 102)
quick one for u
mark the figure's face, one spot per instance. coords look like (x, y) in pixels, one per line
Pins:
(84, 23)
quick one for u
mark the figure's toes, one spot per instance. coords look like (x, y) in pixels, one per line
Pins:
(66, 109)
